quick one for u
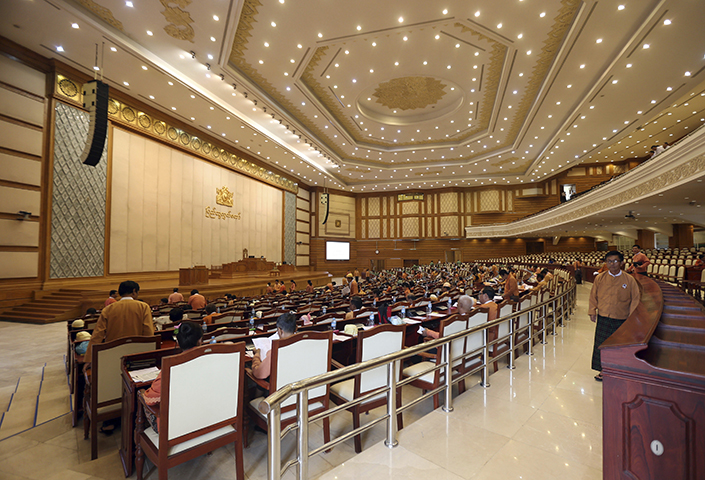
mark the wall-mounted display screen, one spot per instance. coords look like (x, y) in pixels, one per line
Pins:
(337, 250)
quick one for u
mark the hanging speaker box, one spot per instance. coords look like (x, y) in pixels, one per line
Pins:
(95, 100)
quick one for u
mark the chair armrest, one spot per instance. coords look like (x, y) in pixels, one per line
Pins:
(427, 355)
(263, 384)
(336, 364)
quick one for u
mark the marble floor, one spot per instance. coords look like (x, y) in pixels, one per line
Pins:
(539, 421)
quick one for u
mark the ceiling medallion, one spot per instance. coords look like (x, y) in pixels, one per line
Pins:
(409, 93)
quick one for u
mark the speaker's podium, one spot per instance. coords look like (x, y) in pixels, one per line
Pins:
(197, 275)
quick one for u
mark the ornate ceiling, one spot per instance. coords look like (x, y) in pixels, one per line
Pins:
(372, 95)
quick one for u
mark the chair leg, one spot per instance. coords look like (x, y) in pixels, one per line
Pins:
(139, 453)
(94, 440)
(356, 424)
(239, 463)
(400, 419)
(326, 431)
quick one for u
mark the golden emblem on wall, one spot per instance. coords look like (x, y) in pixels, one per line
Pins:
(224, 197)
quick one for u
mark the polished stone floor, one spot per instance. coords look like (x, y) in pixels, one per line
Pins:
(539, 421)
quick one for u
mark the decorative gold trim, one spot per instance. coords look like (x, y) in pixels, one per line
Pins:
(179, 20)
(122, 113)
(101, 12)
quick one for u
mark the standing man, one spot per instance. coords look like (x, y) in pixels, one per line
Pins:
(176, 296)
(640, 261)
(112, 298)
(125, 318)
(614, 296)
(354, 289)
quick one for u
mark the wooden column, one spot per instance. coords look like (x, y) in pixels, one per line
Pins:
(682, 236)
(646, 238)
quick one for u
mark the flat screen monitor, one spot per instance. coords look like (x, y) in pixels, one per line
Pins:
(337, 250)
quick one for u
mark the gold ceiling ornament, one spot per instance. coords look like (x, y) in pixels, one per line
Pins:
(101, 12)
(121, 113)
(223, 196)
(409, 93)
(179, 20)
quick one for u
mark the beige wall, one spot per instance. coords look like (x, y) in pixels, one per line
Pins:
(341, 217)
(158, 210)
(22, 106)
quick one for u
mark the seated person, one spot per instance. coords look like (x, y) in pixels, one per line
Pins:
(210, 310)
(175, 315)
(196, 300)
(700, 262)
(286, 327)
(188, 335)
(355, 305)
(309, 286)
(465, 305)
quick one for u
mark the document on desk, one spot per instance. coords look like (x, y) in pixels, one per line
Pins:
(412, 321)
(144, 374)
(341, 338)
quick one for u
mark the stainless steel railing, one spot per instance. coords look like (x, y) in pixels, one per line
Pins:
(550, 313)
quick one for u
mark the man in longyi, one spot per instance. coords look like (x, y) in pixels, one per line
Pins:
(614, 296)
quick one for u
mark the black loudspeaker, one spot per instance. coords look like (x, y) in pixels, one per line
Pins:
(95, 100)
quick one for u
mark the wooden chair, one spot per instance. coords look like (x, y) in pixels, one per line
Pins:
(300, 356)
(376, 342)
(473, 342)
(521, 323)
(501, 331)
(225, 333)
(103, 394)
(432, 380)
(200, 410)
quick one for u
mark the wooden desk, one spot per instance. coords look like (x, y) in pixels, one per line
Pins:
(197, 275)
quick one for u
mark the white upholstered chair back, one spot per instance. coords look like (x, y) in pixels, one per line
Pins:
(203, 391)
(475, 340)
(108, 368)
(375, 346)
(457, 346)
(524, 307)
(305, 358)
(504, 326)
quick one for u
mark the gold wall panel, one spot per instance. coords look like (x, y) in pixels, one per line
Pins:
(410, 227)
(373, 228)
(123, 113)
(449, 226)
(410, 208)
(373, 205)
(448, 202)
(489, 201)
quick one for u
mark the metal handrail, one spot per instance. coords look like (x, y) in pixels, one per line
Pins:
(271, 406)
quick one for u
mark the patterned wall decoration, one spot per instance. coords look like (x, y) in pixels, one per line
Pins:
(449, 226)
(410, 227)
(290, 228)
(363, 207)
(410, 208)
(489, 200)
(385, 234)
(373, 228)
(101, 12)
(449, 202)
(157, 128)
(468, 202)
(510, 201)
(179, 20)
(78, 201)
(373, 205)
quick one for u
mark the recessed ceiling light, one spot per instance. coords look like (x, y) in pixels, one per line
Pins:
(113, 49)
(645, 46)
(521, 35)
(129, 4)
(477, 14)
(170, 83)
(542, 14)
(528, 52)
(320, 35)
(216, 18)
(149, 32)
(144, 67)
(445, 11)
(667, 22)
(687, 74)
(599, 40)
(74, 25)
(499, 25)
(401, 19)
(126, 84)
(614, 82)
(59, 48)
